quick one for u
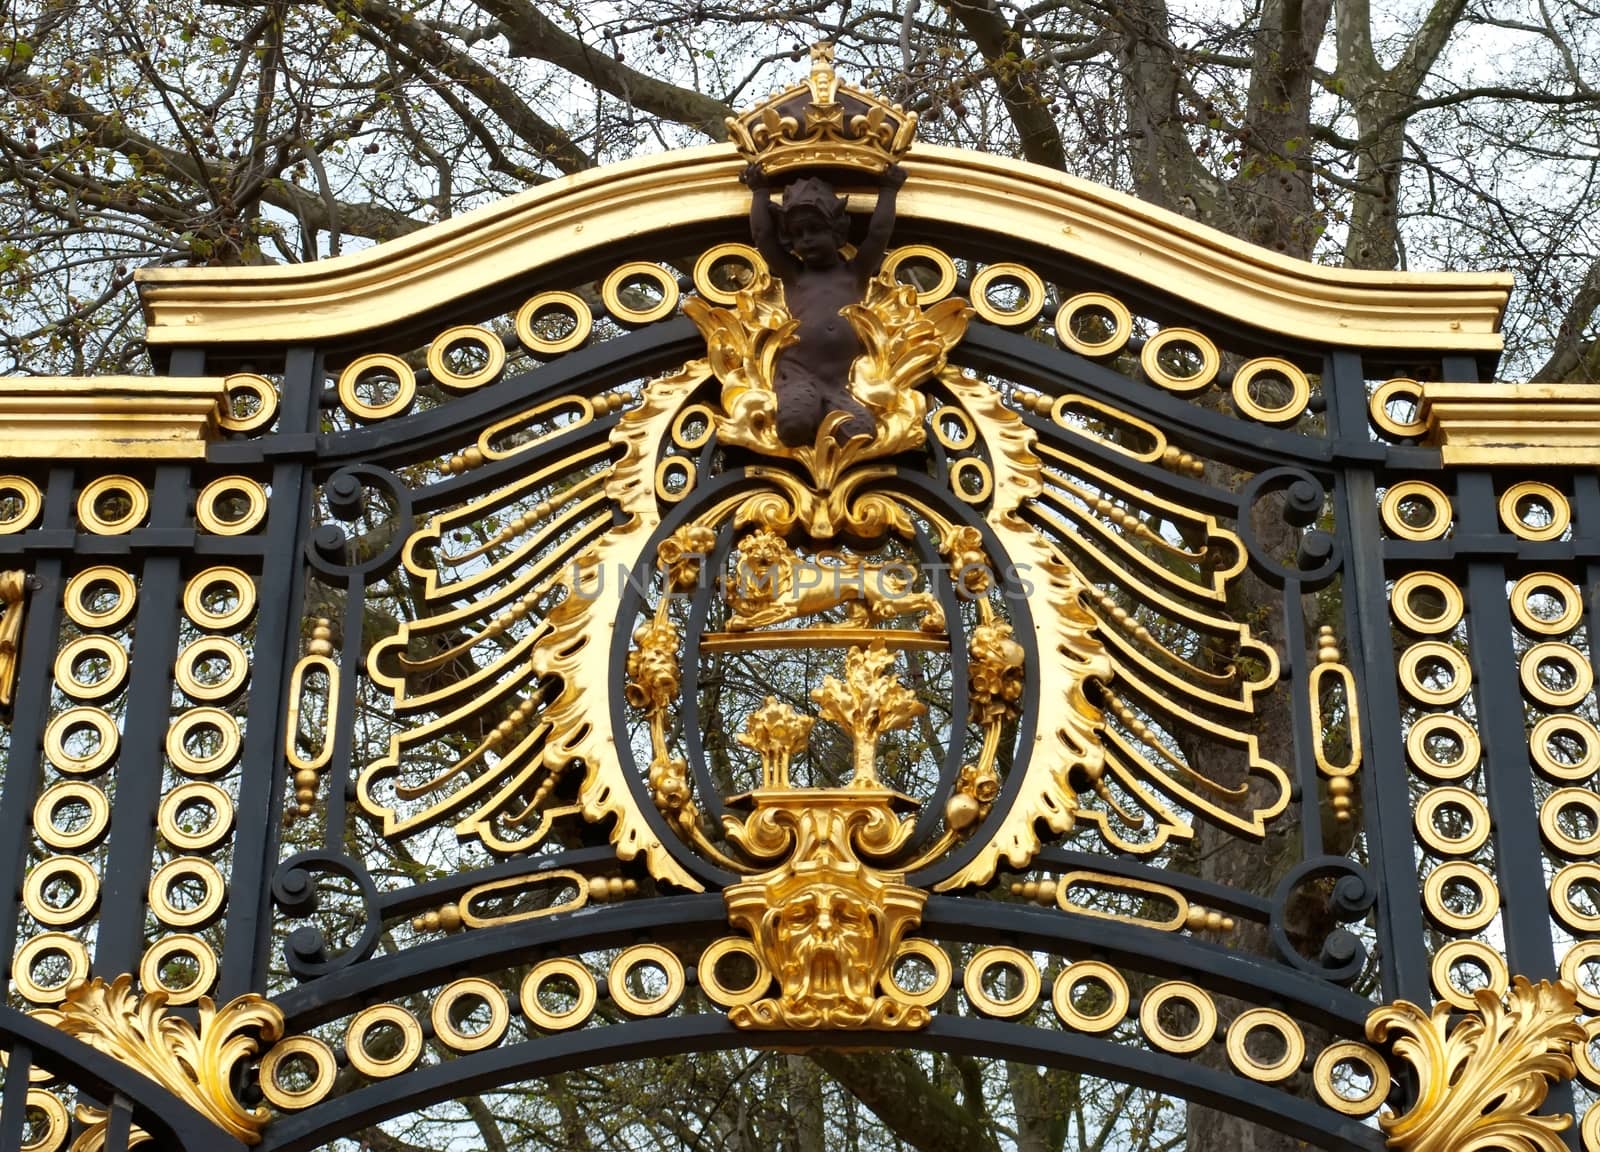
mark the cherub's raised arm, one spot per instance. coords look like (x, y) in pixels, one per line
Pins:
(870, 256)
(763, 230)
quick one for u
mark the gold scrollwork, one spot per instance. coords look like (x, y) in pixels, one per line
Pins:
(1462, 874)
(1278, 415)
(379, 1015)
(1435, 807)
(945, 266)
(558, 968)
(1399, 390)
(938, 961)
(1375, 1068)
(711, 981)
(324, 1064)
(1529, 591)
(1026, 310)
(1480, 1084)
(47, 876)
(196, 656)
(200, 593)
(181, 873)
(1118, 331)
(257, 388)
(1563, 800)
(74, 725)
(718, 254)
(1566, 664)
(25, 965)
(1181, 340)
(1430, 660)
(635, 957)
(180, 945)
(208, 506)
(1270, 1020)
(494, 357)
(404, 393)
(1085, 972)
(126, 505)
(1182, 991)
(1565, 747)
(444, 1023)
(575, 305)
(1001, 956)
(216, 731)
(83, 597)
(100, 652)
(1426, 603)
(611, 292)
(22, 498)
(1416, 510)
(54, 801)
(1458, 954)
(185, 798)
(1535, 510)
(1429, 739)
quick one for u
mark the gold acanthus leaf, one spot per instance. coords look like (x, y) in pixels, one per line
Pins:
(1480, 1084)
(192, 1063)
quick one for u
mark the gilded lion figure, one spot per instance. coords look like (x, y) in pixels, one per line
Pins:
(772, 585)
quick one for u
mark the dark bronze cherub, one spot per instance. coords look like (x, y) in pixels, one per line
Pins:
(802, 248)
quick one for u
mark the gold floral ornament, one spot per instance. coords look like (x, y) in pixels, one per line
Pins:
(868, 703)
(194, 1064)
(1480, 1084)
(776, 733)
(995, 672)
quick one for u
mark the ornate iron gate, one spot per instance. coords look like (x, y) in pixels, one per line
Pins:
(1167, 660)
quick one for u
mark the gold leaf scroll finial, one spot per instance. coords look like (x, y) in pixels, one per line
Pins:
(1480, 1084)
(13, 589)
(193, 1064)
(869, 702)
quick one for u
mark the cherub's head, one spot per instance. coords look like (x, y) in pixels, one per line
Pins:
(813, 222)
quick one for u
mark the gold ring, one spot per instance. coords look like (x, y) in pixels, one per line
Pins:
(1200, 380)
(935, 957)
(675, 469)
(1549, 821)
(192, 792)
(718, 992)
(197, 594)
(945, 266)
(54, 798)
(405, 386)
(1514, 510)
(1071, 1015)
(1476, 952)
(367, 1019)
(690, 441)
(266, 399)
(985, 480)
(622, 967)
(1470, 874)
(179, 944)
(209, 905)
(186, 668)
(453, 1037)
(1452, 728)
(965, 434)
(1556, 652)
(1477, 833)
(55, 1121)
(1205, 1017)
(1384, 421)
(1121, 324)
(611, 293)
(1556, 587)
(68, 724)
(494, 355)
(1591, 1126)
(1294, 1045)
(1571, 971)
(28, 955)
(1565, 763)
(27, 498)
(115, 659)
(711, 257)
(87, 584)
(220, 758)
(255, 506)
(1411, 586)
(77, 873)
(1561, 900)
(582, 323)
(1408, 494)
(304, 1047)
(1411, 661)
(995, 956)
(112, 486)
(546, 970)
(1583, 1055)
(1287, 412)
(1341, 1052)
(1025, 312)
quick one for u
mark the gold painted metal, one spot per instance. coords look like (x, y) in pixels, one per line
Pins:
(1001, 956)
(1437, 654)
(981, 489)
(203, 583)
(1025, 312)
(1197, 999)
(377, 1015)
(1564, 655)
(1481, 1083)
(1287, 412)
(260, 389)
(931, 954)
(196, 720)
(1591, 1128)
(693, 441)
(1574, 966)
(1569, 729)
(1112, 343)
(179, 800)
(75, 720)
(114, 655)
(192, 868)
(318, 658)
(1294, 1045)
(965, 436)
(753, 263)
(1171, 923)
(557, 879)
(1115, 984)
(868, 703)
(1452, 605)
(1419, 491)
(1548, 495)
(1550, 821)
(1468, 842)
(36, 1074)
(77, 873)
(942, 263)
(53, 1113)
(13, 595)
(576, 306)
(28, 499)
(776, 733)
(444, 1027)
(1376, 1068)
(1474, 953)
(179, 944)
(771, 588)
(1561, 896)
(65, 792)
(127, 488)
(1200, 380)
(44, 944)
(298, 1048)
(1402, 389)
(1462, 872)
(494, 356)
(205, 506)
(186, 668)
(1546, 584)
(675, 477)
(1339, 776)
(110, 417)
(405, 386)
(558, 967)
(1583, 1052)
(629, 959)
(78, 610)
(718, 992)
(1482, 424)
(611, 292)
(1455, 728)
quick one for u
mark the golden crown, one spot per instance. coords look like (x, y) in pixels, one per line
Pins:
(823, 124)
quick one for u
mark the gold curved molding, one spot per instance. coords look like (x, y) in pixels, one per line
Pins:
(586, 213)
